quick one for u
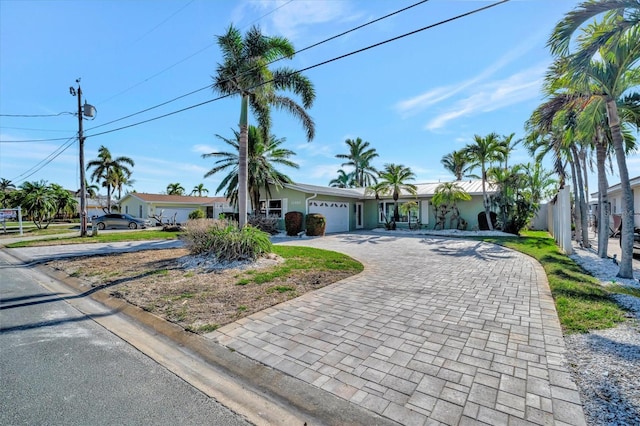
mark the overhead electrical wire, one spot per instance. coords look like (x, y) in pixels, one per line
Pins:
(44, 162)
(313, 66)
(70, 141)
(267, 64)
(34, 140)
(181, 60)
(36, 115)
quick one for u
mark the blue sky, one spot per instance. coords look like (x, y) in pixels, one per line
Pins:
(414, 99)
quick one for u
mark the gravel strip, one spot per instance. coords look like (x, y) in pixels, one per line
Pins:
(605, 363)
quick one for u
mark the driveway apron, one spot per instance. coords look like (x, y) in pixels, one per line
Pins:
(433, 331)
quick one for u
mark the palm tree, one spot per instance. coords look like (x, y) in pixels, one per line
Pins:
(393, 181)
(448, 194)
(508, 145)
(625, 15)
(262, 158)
(245, 72)
(344, 180)
(63, 200)
(6, 185)
(457, 163)
(482, 153)
(605, 56)
(609, 77)
(105, 167)
(175, 189)
(36, 198)
(199, 189)
(360, 157)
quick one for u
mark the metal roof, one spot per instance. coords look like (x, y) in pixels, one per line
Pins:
(472, 187)
(176, 199)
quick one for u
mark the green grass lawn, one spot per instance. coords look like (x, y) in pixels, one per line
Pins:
(32, 230)
(582, 303)
(101, 238)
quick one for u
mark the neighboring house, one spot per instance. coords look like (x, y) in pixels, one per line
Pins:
(96, 206)
(615, 200)
(146, 206)
(348, 209)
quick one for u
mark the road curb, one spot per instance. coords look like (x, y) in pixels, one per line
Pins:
(267, 396)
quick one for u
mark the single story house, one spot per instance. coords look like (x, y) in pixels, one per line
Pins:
(146, 206)
(614, 193)
(348, 209)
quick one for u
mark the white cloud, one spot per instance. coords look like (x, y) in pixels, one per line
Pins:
(434, 96)
(203, 149)
(292, 17)
(494, 95)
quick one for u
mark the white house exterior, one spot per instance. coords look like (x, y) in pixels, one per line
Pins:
(614, 194)
(146, 206)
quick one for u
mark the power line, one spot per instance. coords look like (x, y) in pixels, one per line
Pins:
(445, 21)
(267, 64)
(35, 115)
(181, 60)
(34, 130)
(34, 140)
(46, 161)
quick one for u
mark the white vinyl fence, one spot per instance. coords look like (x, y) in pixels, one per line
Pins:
(559, 219)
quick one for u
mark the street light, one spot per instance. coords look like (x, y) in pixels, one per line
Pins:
(88, 111)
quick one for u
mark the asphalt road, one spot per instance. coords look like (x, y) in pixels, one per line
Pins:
(58, 366)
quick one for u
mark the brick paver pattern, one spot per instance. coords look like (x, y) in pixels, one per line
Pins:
(434, 331)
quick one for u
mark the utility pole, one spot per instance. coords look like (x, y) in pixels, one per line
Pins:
(88, 111)
(83, 182)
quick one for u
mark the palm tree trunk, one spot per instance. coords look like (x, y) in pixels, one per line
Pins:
(582, 203)
(487, 211)
(577, 219)
(626, 236)
(603, 197)
(242, 160)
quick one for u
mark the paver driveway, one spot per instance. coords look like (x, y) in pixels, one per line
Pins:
(433, 331)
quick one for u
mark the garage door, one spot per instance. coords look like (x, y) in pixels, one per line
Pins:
(182, 215)
(335, 212)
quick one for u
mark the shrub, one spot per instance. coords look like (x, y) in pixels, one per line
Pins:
(196, 214)
(293, 223)
(263, 223)
(225, 241)
(315, 224)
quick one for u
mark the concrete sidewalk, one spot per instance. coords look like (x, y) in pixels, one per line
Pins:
(434, 331)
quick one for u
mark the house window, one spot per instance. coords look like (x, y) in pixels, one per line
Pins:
(140, 210)
(271, 208)
(126, 209)
(385, 211)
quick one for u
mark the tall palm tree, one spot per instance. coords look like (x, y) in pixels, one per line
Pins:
(609, 78)
(508, 145)
(263, 156)
(245, 72)
(360, 157)
(482, 153)
(344, 180)
(175, 189)
(457, 163)
(606, 56)
(199, 189)
(104, 168)
(393, 181)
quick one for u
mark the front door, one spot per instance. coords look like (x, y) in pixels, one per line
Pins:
(359, 216)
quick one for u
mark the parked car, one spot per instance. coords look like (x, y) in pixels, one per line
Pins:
(119, 220)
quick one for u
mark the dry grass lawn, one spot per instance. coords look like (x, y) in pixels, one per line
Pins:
(170, 283)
